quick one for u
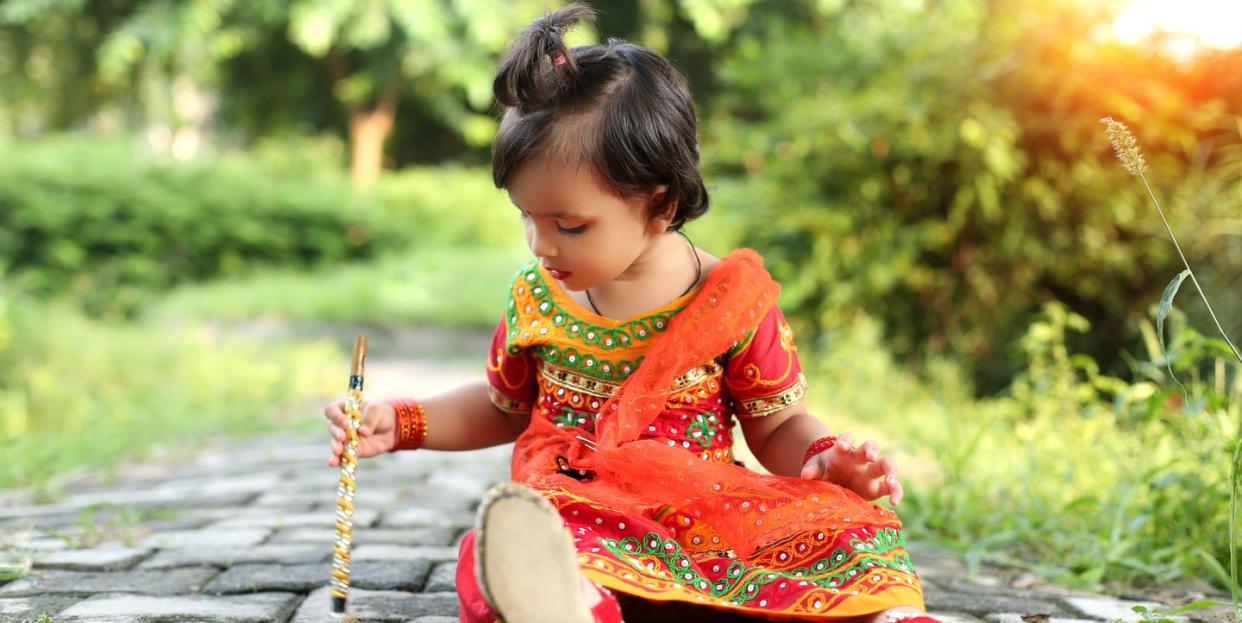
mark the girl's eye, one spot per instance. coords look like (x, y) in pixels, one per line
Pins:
(572, 230)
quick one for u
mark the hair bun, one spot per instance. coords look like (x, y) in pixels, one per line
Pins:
(532, 74)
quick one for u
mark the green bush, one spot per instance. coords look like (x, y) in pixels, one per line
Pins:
(944, 170)
(1072, 474)
(108, 226)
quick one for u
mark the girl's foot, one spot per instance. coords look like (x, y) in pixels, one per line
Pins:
(527, 565)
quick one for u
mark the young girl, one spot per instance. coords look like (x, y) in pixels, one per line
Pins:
(623, 358)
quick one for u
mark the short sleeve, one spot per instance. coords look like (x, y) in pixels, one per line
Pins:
(762, 373)
(512, 384)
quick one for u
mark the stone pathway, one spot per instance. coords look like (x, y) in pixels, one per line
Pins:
(242, 531)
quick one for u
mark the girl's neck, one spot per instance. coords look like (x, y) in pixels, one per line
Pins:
(659, 275)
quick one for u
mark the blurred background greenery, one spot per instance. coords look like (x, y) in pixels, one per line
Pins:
(971, 274)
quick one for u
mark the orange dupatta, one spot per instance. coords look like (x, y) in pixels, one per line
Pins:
(640, 476)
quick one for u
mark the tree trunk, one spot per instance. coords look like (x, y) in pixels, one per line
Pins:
(368, 129)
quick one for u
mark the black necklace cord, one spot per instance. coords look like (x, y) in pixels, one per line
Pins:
(698, 274)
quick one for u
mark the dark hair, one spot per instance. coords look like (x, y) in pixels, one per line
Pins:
(621, 108)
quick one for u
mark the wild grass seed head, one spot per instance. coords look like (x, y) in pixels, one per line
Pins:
(1125, 145)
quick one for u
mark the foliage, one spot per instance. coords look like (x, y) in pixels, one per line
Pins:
(136, 387)
(421, 288)
(941, 167)
(1100, 480)
(111, 228)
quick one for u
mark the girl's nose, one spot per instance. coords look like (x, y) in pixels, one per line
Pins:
(541, 246)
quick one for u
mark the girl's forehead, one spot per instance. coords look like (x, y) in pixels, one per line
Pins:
(542, 183)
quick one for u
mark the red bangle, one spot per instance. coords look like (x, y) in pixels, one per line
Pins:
(821, 444)
(411, 424)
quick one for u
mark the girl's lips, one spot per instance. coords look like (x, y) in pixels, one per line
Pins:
(559, 275)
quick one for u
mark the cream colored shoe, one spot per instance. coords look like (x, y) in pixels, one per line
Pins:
(525, 559)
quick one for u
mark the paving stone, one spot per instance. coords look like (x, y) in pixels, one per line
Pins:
(205, 538)
(296, 500)
(443, 578)
(168, 582)
(392, 536)
(1112, 609)
(979, 604)
(256, 608)
(954, 617)
(283, 553)
(383, 575)
(30, 608)
(427, 517)
(435, 619)
(991, 585)
(473, 485)
(162, 498)
(378, 606)
(403, 552)
(1012, 617)
(95, 559)
(362, 517)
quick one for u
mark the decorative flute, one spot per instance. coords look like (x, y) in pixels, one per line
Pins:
(347, 484)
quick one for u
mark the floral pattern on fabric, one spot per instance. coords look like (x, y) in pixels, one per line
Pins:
(554, 359)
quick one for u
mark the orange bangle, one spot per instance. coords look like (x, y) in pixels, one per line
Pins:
(821, 444)
(411, 424)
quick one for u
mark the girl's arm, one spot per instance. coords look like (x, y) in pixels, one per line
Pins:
(459, 419)
(779, 440)
(465, 419)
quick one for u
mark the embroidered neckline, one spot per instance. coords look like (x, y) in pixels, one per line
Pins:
(581, 312)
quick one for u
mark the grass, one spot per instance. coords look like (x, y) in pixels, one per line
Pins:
(458, 287)
(79, 394)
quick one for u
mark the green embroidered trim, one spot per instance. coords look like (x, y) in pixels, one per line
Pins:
(629, 549)
(603, 338)
(568, 417)
(705, 426)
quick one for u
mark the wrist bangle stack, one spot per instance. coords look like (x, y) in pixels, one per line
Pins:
(411, 424)
(821, 444)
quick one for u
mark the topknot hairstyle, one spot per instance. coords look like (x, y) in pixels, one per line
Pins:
(619, 107)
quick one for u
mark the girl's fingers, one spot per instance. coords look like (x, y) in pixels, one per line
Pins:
(883, 467)
(867, 452)
(895, 490)
(845, 441)
(814, 468)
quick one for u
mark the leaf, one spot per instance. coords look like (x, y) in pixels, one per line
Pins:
(1166, 303)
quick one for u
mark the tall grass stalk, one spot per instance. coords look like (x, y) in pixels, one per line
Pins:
(1127, 149)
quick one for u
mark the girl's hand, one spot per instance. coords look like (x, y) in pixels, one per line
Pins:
(376, 435)
(861, 469)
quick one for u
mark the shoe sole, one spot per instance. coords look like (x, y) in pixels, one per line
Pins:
(526, 562)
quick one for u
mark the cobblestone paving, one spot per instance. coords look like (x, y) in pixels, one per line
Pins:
(243, 533)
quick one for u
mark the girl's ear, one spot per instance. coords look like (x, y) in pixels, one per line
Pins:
(659, 222)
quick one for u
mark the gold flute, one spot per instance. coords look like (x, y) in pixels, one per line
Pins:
(347, 484)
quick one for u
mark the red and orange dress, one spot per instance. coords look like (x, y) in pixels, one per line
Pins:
(641, 412)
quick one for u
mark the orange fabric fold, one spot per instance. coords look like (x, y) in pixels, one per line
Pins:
(642, 476)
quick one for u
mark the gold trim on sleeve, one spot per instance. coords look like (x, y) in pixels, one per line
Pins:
(767, 405)
(505, 403)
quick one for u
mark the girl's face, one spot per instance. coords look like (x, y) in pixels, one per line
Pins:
(582, 233)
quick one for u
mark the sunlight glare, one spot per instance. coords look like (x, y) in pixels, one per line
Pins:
(1212, 23)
